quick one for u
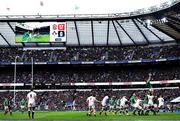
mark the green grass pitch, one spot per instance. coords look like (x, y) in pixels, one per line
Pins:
(82, 116)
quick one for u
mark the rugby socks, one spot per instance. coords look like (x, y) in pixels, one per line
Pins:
(32, 115)
(29, 114)
(5, 112)
(11, 113)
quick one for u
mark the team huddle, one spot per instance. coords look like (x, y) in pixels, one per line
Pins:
(123, 105)
(31, 101)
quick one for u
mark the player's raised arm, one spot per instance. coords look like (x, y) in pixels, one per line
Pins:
(149, 78)
(148, 83)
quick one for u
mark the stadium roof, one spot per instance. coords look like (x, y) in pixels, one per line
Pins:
(90, 33)
(157, 27)
(55, 7)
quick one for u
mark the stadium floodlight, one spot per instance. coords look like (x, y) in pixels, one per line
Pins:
(164, 20)
(148, 22)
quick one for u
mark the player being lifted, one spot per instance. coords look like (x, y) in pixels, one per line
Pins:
(91, 105)
(8, 106)
(22, 105)
(112, 104)
(104, 104)
(31, 97)
(148, 83)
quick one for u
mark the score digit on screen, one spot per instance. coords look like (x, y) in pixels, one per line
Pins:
(61, 27)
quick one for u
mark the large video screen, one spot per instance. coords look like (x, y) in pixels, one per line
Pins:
(40, 32)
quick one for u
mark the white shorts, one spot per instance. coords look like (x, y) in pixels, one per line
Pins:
(155, 105)
(145, 105)
(138, 107)
(111, 107)
(104, 105)
(91, 106)
(160, 105)
(22, 107)
(123, 106)
(6, 107)
(150, 104)
(31, 105)
(117, 107)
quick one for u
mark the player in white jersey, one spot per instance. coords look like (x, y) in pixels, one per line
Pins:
(123, 105)
(150, 103)
(138, 106)
(150, 100)
(31, 98)
(104, 104)
(91, 105)
(160, 103)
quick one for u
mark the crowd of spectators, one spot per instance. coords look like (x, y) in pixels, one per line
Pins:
(62, 100)
(101, 74)
(90, 53)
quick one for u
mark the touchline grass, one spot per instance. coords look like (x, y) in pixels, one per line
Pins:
(82, 116)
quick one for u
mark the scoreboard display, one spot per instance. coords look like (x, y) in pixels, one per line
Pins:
(40, 32)
(58, 32)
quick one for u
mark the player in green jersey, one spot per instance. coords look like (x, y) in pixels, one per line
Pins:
(145, 105)
(148, 83)
(8, 106)
(111, 104)
(22, 105)
(117, 102)
(132, 102)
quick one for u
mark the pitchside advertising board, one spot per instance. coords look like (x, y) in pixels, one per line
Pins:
(40, 32)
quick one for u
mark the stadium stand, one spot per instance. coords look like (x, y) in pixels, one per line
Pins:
(90, 74)
(91, 53)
